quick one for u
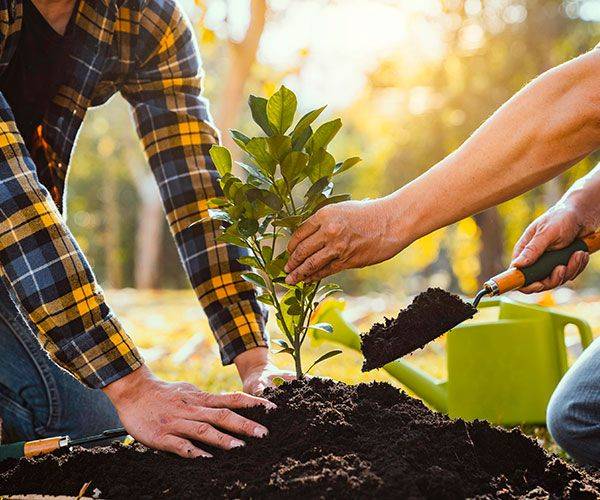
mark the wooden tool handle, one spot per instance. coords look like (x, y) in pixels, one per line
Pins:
(42, 446)
(513, 278)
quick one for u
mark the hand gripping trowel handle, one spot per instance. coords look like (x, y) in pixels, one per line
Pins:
(514, 279)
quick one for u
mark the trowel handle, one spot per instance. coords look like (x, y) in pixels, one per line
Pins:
(513, 278)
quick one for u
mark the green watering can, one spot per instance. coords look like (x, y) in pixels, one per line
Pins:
(503, 371)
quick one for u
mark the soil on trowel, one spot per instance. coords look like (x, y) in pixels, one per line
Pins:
(327, 440)
(431, 314)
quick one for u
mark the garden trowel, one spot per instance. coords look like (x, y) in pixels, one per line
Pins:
(48, 445)
(436, 311)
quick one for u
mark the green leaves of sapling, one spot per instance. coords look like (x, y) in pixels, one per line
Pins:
(258, 108)
(281, 108)
(321, 164)
(258, 147)
(324, 135)
(255, 279)
(259, 210)
(346, 165)
(221, 158)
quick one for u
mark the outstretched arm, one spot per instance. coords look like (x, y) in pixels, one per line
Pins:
(541, 131)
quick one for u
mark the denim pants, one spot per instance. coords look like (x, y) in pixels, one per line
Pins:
(573, 415)
(37, 398)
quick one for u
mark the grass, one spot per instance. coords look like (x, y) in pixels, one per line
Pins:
(175, 339)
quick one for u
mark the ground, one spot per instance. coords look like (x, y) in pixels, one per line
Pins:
(175, 339)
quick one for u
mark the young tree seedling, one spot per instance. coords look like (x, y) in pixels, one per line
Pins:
(288, 176)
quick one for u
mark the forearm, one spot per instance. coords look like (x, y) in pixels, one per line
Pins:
(176, 130)
(48, 275)
(543, 130)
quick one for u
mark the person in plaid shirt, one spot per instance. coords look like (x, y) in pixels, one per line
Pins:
(57, 59)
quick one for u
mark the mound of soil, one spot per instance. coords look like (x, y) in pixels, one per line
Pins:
(431, 314)
(327, 440)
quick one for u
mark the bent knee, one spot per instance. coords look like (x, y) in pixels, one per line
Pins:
(574, 424)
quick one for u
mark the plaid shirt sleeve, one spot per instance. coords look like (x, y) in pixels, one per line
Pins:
(49, 278)
(175, 127)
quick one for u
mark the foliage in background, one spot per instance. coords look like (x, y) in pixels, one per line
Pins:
(288, 177)
(407, 117)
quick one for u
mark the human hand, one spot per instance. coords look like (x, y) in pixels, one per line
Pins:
(257, 372)
(346, 235)
(553, 230)
(169, 416)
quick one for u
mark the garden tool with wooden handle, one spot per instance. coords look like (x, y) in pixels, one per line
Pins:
(48, 445)
(514, 279)
(435, 311)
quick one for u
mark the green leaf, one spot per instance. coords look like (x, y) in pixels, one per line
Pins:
(321, 164)
(323, 135)
(266, 299)
(267, 252)
(216, 214)
(221, 158)
(293, 166)
(258, 147)
(247, 227)
(292, 299)
(291, 221)
(289, 351)
(275, 267)
(279, 146)
(278, 381)
(325, 356)
(253, 171)
(268, 198)
(295, 310)
(217, 202)
(281, 343)
(248, 260)
(232, 240)
(346, 165)
(304, 122)
(229, 185)
(240, 139)
(323, 327)
(281, 109)
(317, 188)
(300, 141)
(258, 108)
(255, 279)
(328, 289)
(337, 198)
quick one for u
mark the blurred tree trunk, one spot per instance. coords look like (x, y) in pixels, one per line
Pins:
(492, 244)
(112, 227)
(148, 238)
(241, 58)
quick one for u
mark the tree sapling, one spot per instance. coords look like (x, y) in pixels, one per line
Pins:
(288, 177)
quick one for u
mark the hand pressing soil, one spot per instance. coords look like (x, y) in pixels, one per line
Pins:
(431, 314)
(327, 440)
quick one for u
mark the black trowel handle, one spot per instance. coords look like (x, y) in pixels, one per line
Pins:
(513, 278)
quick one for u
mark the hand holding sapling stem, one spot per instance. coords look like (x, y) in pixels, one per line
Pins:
(342, 236)
(289, 176)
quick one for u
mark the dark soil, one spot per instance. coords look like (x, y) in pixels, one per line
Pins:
(431, 314)
(327, 440)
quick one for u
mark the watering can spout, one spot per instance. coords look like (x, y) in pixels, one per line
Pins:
(433, 391)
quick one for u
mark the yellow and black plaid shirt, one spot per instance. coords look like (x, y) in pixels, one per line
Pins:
(144, 49)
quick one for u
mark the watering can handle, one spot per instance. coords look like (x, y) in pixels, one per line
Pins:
(585, 331)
